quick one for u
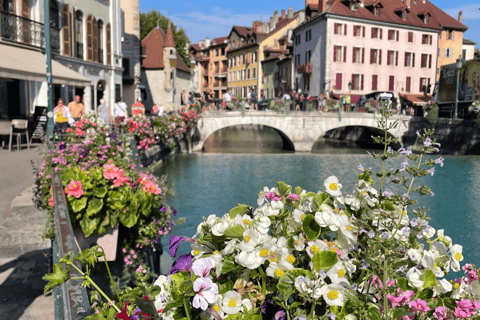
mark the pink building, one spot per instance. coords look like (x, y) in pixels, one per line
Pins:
(357, 47)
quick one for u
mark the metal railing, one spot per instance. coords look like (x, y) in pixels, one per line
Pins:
(23, 30)
(71, 298)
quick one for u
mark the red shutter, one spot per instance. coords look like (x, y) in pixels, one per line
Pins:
(338, 84)
(353, 53)
(66, 30)
(354, 86)
(406, 60)
(398, 36)
(345, 54)
(428, 83)
(409, 83)
(108, 31)
(345, 30)
(335, 28)
(429, 62)
(421, 85)
(372, 52)
(423, 39)
(390, 34)
(381, 34)
(431, 40)
(363, 32)
(89, 38)
(413, 60)
(380, 56)
(391, 83)
(374, 82)
(372, 33)
(388, 58)
(363, 55)
(335, 50)
(361, 88)
(355, 31)
(396, 58)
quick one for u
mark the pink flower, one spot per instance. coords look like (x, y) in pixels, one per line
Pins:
(465, 304)
(395, 301)
(110, 171)
(124, 250)
(420, 306)
(442, 313)
(293, 198)
(461, 313)
(270, 195)
(277, 199)
(79, 124)
(79, 132)
(74, 189)
(85, 120)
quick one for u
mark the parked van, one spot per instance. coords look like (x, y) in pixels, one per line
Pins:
(378, 96)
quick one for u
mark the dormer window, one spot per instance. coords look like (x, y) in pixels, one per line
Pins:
(425, 19)
(376, 11)
(404, 15)
(353, 6)
(425, 16)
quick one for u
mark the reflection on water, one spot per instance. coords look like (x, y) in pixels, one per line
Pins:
(207, 184)
(335, 146)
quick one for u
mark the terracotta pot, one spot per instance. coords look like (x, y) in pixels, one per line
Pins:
(108, 241)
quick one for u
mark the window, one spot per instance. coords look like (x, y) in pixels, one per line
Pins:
(404, 15)
(376, 33)
(248, 74)
(424, 82)
(298, 39)
(308, 35)
(100, 41)
(308, 56)
(448, 53)
(408, 84)
(340, 54)
(393, 35)
(410, 37)
(254, 57)
(306, 83)
(297, 59)
(108, 30)
(66, 29)
(464, 54)
(427, 39)
(340, 28)
(358, 55)
(223, 51)
(375, 56)
(357, 81)
(79, 34)
(425, 19)
(359, 31)
(338, 81)
(409, 59)
(450, 34)
(374, 82)
(391, 83)
(254, 75)
(217, 52)
(426, 61)
(376, 11)
(392, 58)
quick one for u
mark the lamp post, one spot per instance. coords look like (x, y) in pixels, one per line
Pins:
(173, 64)
(193, 64)
(48, 58)
(459, 66)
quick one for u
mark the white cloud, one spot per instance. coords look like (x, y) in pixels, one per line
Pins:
(470, 12)
(215, 23)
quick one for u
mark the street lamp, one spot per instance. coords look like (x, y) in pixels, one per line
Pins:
(460, 63)
(173, 63)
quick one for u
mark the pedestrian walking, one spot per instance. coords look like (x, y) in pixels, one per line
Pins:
(227, 98)
(254, 99)
(62, 117)
(76, 108)
(305, 100)
(120, 112)
(347, 102)
(104, 112)
(138, 107)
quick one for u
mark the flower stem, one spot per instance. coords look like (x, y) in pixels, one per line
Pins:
(185, 305)
(110, 275)
(264, 281)
(312, 310)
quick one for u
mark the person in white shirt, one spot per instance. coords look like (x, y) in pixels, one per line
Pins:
(227, 97)
(286, 96)
(120, 112)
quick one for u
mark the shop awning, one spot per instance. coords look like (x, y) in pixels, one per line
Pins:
(25, 64)
(416, 99)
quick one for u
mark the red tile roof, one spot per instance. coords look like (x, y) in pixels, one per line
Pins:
(243, 31)
(153, 44)
(195, 47)
(437, 20)
(169, 40)
(219, 40)
(181, 64)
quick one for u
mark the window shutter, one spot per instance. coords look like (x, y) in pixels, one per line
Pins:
(406, 60)
(421, 85)
(353, 53)
(431, 37)
(372, 52)
(89, 39)
(372, 33)
(335, 27)
(345, 30)
(413, 59)
(109, 43)
(391, 83)
(396, 58)
(388, 58)
(355, 31)
(363, 32)
(429, 61)
(380, 56)
(409, 82)
(335, 50)
(74, 34)
(338, 84)
(354, 84)
(381, 34)
(66, 30)
(361, 88)
(95, 39)
(363, 55)
(453, 35)
(398, 36)
(344, 54)
(25, 8)
(374, 82)
(390, 35)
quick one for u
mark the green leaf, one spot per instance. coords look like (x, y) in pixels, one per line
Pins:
(147, 306)
(235, 232)
(374, 314)
(95, 205)
(430, 279)
(322, 198)
(186, 286)
(398, 313)
(366, 177)
(89, 225)
(129, 218)
(424, 295)
(311, 227)
(283, 188)
(236, 316)
(239, 209)
(57, 277)
(402, 283)
(286, 285)
(89, 256)
(388, 205)
(298, 190)
(67, 257)
(228, 265)
(100, 192)
(78, 204)
(324, 260)
(172, 305)
(225, 287)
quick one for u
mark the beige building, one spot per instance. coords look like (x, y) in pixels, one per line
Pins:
(468, 49)
(163, 82)
(131, 51)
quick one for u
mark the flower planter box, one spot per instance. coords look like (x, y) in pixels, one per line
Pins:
(108, 241)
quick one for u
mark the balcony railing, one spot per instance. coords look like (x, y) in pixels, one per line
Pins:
(100, 55)
(26, 31)
(79, 50)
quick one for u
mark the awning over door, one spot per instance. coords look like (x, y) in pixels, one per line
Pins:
(25, 64)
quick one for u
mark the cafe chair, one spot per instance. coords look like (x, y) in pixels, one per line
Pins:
(5, 130)
(19, 129)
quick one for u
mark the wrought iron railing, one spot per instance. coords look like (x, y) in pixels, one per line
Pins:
(26, 31)
(79, 51)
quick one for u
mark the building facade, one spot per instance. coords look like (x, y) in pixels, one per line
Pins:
(90, 44)
(131, 51)
(363, 47)
(468, 49)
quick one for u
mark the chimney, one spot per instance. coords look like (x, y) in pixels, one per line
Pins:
(322, 5)
(265, 27)
(256, 23)
(301, 16)
(289, 35)
(284, 15)
(407, 2)
(460, 16)
(290, 13)
(273, 22)
(361, 4)
(207, 42)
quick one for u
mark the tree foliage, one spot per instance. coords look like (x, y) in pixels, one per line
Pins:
(150, 20)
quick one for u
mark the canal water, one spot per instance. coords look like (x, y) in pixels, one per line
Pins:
(213, 183)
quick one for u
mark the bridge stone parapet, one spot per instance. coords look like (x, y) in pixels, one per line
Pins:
(302, 129)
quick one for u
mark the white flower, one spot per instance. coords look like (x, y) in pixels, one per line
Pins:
(277, 205)
(327, 218)
(276, 270)
(428, 261)
(250, 240)
(338, 274)
(334, 295)
(350, 317)
(442, 287)
(251, 260)
(217, 257)
(232, 302)
(199, 249)
(262, 195)
(298, 216)
(414, 255)
(161, 298)
(211, 220)
(353, 202)
(442, 237)
(332, 187)
(316, 246)
(247, 304)
(299, 242)
(303, 284)
(219, 228)
(230, 247)
(243, 220)
(415, 278)
(262, 224)
(456, 256)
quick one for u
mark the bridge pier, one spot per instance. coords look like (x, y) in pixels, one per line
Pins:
(303, 146)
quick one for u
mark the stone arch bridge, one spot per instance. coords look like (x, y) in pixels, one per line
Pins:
(301, 129)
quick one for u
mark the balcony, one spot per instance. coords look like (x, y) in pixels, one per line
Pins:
(22, 30)
(79, 50)
(305, 68)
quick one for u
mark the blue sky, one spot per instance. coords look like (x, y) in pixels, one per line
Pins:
(215, 18)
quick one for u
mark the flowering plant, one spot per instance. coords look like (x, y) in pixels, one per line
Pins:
(172, 126)
(139, 128)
